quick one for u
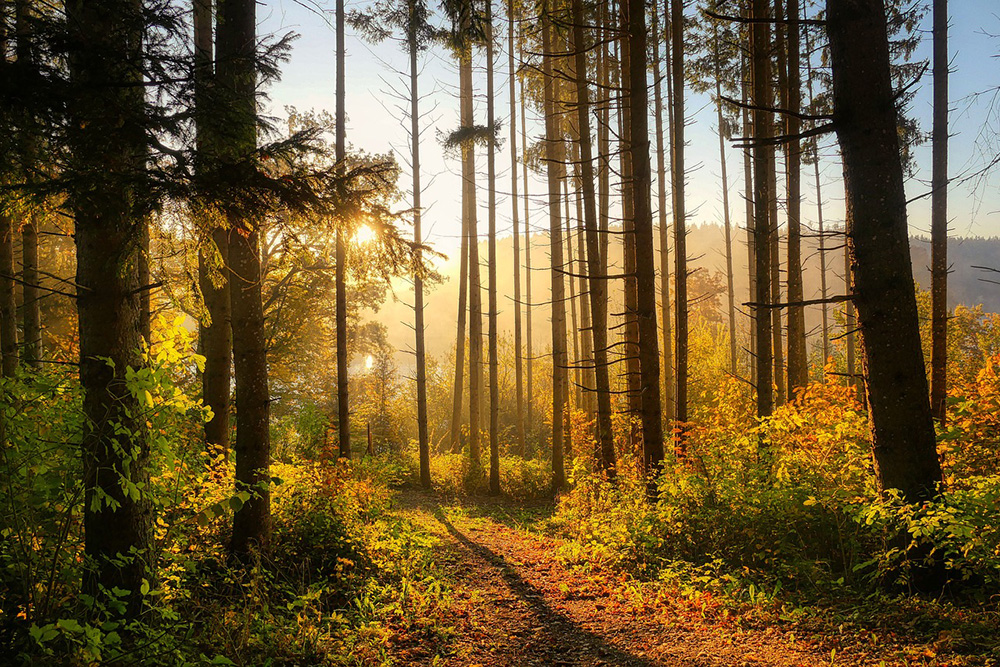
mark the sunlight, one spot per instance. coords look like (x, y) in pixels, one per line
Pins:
(369, 362)
(365, 234)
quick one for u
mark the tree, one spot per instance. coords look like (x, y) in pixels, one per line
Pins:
(649, 356)
(494, 361)
(763, 159)
(236, 75)
(31, 328)
(343, 395)
(107, 142)
(597, 283)
(411, 18)
(554, 172)
(515, 230)
(798, 364)
(939, 216)
(213, 255)
(680, 218)
(865, 118)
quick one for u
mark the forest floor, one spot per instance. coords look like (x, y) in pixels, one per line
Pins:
(519, 604)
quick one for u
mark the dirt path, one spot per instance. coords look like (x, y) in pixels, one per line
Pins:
(524, 607)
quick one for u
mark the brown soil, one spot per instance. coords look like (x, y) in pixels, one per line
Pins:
(519, 605)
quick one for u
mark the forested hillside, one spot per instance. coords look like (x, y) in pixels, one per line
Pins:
(607, 341)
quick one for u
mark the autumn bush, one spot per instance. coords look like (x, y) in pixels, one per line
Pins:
(791, 501)
(343, 571)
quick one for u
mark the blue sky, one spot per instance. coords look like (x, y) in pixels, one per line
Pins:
(377, 125)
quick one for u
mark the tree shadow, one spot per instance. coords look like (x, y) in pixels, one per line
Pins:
(579, 642)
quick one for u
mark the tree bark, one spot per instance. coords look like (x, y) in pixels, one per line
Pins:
(236, 39)
(107, 154)
(939, 216)
(865, 117)
(216, 331)
(798, 363)
(475, 282)
(8, 305)
(680, 221)
(649, 354)
(730, 291)
(554, 169)
(340, 275)
(669, 382)
(597, 285)
(515, 234)
(763, 165)
(494, 360)
(423, 439)
(530, 361)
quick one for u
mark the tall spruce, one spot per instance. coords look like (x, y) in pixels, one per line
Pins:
(939, 215)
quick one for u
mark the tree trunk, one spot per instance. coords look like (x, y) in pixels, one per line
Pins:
(515, 234)
(574, 331)
(340, 277)
(748, 202)
(777, 347)
(492, 224)
(939, 216)
(216, 332)
(475, 282)
(824, 291)
(661, 194)
(554, 168)
(649, 354)
(763, 165)
(865, 117)
(630, 325)
(107, 155)
(597, 284)
(680, 220)
(530, 361)
(733, 368)
(8, 305)
(31, 320)
(236, 39)
(798, 363)
(463, 289)
(423, 439)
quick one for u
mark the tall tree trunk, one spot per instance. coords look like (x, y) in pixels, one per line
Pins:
(680, 219)
(649, 355)
(107, 154)
(824, 291)
(236, 38)
(939, 216)
(902, 427)
(423, 439)
(730, 291)
(597, 284)
(494, 360)
(340, 276)
(554, 168)
(570, 269)
(475, 282)
(850, 324)
(515, 233)
(31, 320)
(661, 194)
(748, 202)
(631, 326)
(529, 350)
(589, 403)
(777, 346)
(763, 166)
(798, 363)
(463, 289)
(603, 140)
(8, 305)
(216, 331)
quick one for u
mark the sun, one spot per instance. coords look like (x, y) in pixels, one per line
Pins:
(364, 234)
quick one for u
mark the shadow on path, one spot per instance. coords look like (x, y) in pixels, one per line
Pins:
(576, 642)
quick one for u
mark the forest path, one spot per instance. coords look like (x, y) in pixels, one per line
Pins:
(521, 606)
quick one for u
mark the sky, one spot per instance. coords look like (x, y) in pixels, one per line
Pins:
(376, 122)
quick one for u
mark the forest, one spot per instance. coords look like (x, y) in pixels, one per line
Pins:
(574, 332)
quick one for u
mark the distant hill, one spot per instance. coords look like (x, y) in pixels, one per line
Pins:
(706, 252)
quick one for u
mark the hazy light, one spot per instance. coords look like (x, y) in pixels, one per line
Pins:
(365, 234)
(369, 362)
